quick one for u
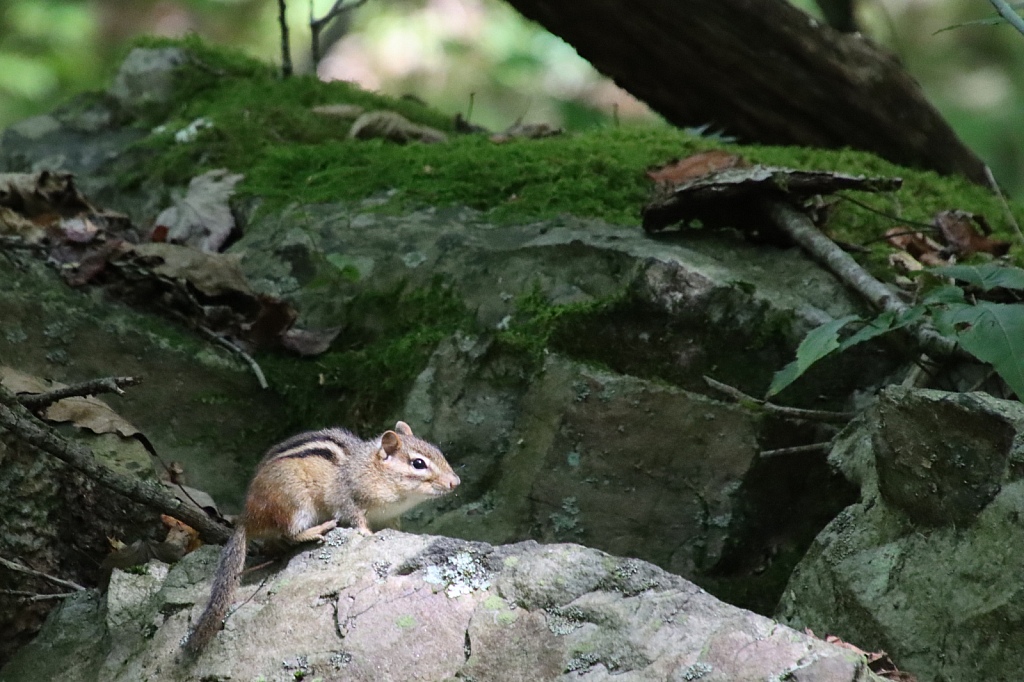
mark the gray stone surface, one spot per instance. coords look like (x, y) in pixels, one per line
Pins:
(928, 565)
(403, 607)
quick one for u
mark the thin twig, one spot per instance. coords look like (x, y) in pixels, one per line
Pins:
(801, 230)
(798, 449)
(882, 213)
(1006, 206)
(32, 596)
(213, 336)
(793, 412)
(318, 25)
(286, 50)
(38, 401)
(16, 419)
(1006, 12)
(15, 566)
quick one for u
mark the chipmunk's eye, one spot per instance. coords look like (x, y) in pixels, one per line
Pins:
(419, 464)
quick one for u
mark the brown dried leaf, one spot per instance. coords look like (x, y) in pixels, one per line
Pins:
(15, 224)
(202, 219)
(962, 239)
(274, 319)
(213, 274)
(87, 413)
(732, 198)
(36, 194)
(680, 170)
(92, 262)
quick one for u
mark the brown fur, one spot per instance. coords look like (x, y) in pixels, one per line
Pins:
(309, 483)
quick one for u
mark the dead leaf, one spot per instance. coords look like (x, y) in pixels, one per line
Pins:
(274, 319)
(918, 245)
(213, 274)
(92, 262)
(203, 218)
(89, 413)
(734, 198)
(86, 413)
(35, 194)
(962, 239)
(395, 127)
(309, 341)
(902, 262)
(79, 230)
(14, 224)
(680, 170)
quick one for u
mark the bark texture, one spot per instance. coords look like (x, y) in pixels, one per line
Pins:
(762, 70)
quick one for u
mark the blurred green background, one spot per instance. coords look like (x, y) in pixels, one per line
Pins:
(442, 51)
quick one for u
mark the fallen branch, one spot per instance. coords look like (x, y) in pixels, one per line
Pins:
(33, 596)
(803, 232)
(15, 566)
(792, 412)
(213, 336)
(38, 401)
(823, 446)
(16, 419)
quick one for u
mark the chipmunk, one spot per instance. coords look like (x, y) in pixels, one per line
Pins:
(309, 483)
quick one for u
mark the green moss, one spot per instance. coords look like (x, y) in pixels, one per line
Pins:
(387, 338)
(537, 324)
(263, 127)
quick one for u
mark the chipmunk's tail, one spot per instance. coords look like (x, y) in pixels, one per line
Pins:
(225, 582)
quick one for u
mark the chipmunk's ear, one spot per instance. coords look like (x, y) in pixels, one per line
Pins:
(403, 428)
(390, 443)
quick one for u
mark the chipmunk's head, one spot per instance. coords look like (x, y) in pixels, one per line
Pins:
(415, 470)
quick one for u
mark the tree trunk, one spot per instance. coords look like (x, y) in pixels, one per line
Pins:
(762, 70)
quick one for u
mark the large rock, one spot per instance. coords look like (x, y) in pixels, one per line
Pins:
(402, 607)
(927, 565)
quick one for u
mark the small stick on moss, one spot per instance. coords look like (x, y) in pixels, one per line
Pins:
(15, 566)
(39, 401)
(824, 446)
(213, 336)
(793, 412)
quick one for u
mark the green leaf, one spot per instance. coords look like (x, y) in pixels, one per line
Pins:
(884, 323)
(944, 295)
(993, 333)
(818, 343)
(985, 276)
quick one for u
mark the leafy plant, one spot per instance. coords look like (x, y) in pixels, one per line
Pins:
(992, 332)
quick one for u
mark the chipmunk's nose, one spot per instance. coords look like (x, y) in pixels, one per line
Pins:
(455, 481)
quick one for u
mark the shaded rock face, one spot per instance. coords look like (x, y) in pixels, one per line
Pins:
(927, 565)
(633, 457)
(400, 607)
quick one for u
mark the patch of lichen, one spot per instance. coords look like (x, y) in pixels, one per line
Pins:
(386, 339)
